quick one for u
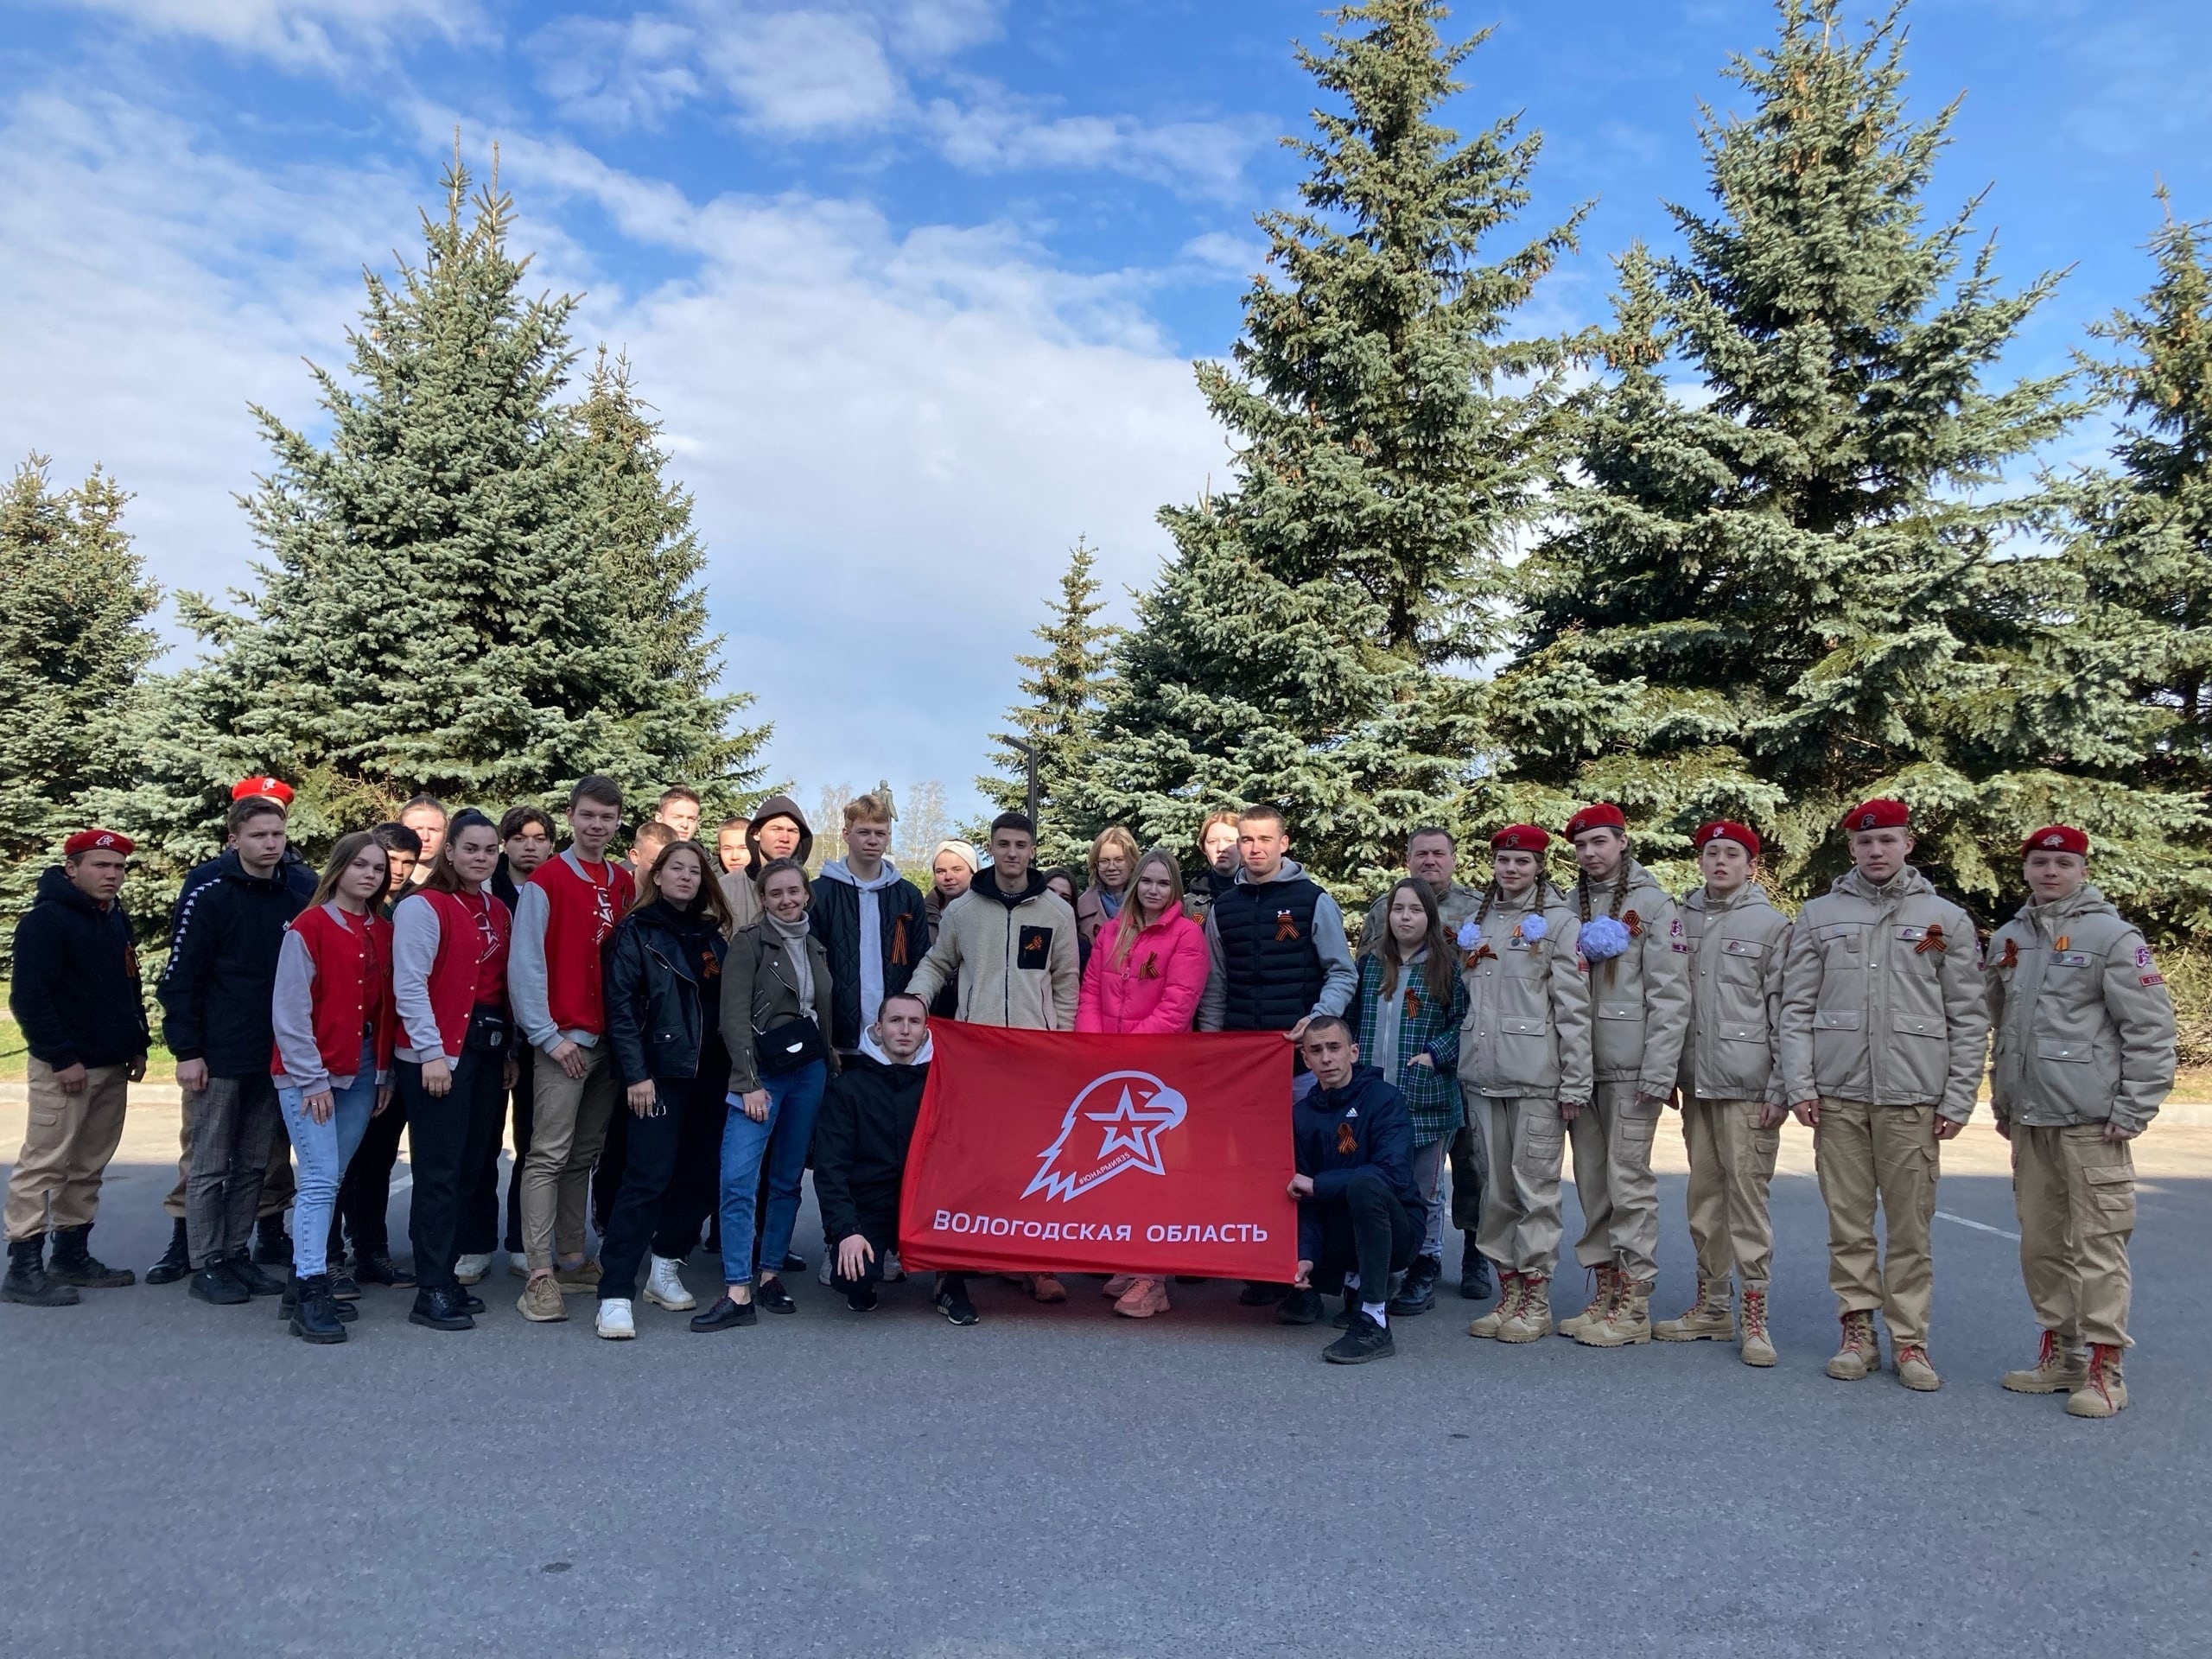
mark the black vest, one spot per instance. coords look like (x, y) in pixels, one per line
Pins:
(1274, 973)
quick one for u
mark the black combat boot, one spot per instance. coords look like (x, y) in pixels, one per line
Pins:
(75, 1264)
(176, 1260)
(314, 1311)
(26, 1281)
(1474, 1270)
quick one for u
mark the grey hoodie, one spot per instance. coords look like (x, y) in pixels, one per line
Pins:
(1340, 981)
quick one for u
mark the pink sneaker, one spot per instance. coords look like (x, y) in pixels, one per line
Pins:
(1118, 1285)
(1047, 1288)
(1145, 1298)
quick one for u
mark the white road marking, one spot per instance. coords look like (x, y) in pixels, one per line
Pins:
(1979, 1226)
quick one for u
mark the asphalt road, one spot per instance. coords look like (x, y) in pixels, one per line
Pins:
(189, 1480)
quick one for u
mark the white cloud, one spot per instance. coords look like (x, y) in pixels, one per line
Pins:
(610, 74)
(892, 438)
(996, 132)
(1227, 255)
(801, 73)
(301, 33)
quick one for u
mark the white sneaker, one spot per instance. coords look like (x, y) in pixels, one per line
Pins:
(469, 1269)
(518, 1264)
(665, 1286)
(615, 1322)
(894, 1273)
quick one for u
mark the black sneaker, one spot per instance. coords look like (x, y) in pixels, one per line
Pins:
(272, 1246)
(213, 1285)
(343, 1285)
(176, 1260)
(1300, 1307)
(862, 1298)
(773, 1296)
(726, 1315)
(251, 1279)
(1474, 1272)
(376, 1267)
(1418, 1294)
(1343, 1321)
(794, 1262)
(1256, 1295)
(1366, 1340)
(953, 1303)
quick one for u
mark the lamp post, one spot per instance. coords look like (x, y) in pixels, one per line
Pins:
(1028, 752)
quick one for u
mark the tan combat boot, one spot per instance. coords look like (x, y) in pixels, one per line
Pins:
(2059, 1368)
(1914, 1370)
(1508, 1296)
(1602, 1297)
(2103, 1392)
(1628, 1322)
(1709, 1318)
(1860, 1356)
(1757, 1348)
(1532, 1314)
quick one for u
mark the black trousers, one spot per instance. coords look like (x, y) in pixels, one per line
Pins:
(1467, 1177)
(447, 1135)
(479, 1233)
(693, 1191)
(1367, 1229)
(526, 1063)
(882, 1232)
(658, 1145)
(365, 1196)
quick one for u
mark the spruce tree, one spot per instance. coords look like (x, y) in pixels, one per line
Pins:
(1811, 584)
(1059, 714)
(472, 588)
(1308, 643)
(73, 644)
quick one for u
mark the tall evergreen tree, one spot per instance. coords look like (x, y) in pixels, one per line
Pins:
(1059, 715)
(73, 645)
(472, 588)
(1811, 585)
(2147, 543)
(1307, 643)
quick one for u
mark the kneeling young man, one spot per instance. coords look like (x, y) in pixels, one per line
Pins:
(1883, 1031)
(1360, 1213)
(860, 1142)
(2085, 1057)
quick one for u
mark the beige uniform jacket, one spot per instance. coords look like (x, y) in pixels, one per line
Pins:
(1640, 999)
(1737, 947)
(1528, 1026)
(1013, 958)
(1455, 905)
(2083, 1021)
(1882, 999)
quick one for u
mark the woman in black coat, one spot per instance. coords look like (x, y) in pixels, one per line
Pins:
(664, 1007)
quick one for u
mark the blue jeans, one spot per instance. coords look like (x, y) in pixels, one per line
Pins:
(323, 1150)
(782, 1138)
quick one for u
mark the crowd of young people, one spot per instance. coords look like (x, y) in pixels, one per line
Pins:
(673, 1040)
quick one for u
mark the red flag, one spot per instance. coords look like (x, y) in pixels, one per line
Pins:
(1040, 1151)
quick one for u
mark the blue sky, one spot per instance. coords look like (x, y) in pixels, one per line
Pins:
(915, 283)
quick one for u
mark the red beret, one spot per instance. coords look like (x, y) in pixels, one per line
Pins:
(1879, 814)
(1520, 838)
(274, 788)
(2057, 838)
(1600, 814)
(87, 840)
(1728, 829)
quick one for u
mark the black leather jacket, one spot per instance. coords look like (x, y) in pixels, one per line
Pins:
(664, 992)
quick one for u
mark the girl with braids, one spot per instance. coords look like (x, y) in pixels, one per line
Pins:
(1524, 1067)
(1407, 1014)
(1638, 962)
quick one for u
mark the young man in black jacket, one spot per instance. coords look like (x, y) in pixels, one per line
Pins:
(1358, 1205)
(215, 993)
(860, 1142)
(76, 996)
(271, 1248)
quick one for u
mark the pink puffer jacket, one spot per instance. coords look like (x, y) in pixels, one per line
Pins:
(1157, 989)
